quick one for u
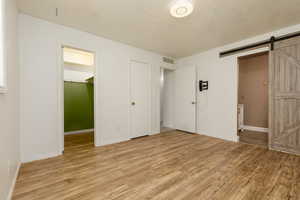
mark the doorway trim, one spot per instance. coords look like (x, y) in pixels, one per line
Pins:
(159, 94)
(248, 53)
(60, 82)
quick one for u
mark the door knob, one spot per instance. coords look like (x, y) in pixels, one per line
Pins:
(193, 102)
(133, 103)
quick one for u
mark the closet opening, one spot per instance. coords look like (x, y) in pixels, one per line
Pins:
(78, 98)
(253, 92)
(167, 96)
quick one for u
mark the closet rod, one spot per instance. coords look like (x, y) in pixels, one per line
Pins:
(271, 41)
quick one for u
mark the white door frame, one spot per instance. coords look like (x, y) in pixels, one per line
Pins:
(159, 96)
(60, 82)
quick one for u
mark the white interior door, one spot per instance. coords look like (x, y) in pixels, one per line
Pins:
(140, 82)
(185, 99)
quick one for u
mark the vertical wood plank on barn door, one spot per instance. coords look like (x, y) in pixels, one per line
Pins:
(284, 115)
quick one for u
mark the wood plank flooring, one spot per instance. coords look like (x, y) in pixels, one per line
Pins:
(167, 166)
(253, 137)
(78, 141)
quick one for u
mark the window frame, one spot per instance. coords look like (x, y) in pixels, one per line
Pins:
(3, 88)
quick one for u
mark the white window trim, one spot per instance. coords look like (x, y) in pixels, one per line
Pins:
(3, 88)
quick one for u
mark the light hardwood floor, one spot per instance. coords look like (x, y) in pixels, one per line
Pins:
(168, 166)
(253, 137)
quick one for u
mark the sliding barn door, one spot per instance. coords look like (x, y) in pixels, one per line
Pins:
(285, 96)
(140, 93)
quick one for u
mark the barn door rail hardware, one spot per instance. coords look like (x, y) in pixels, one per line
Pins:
(203, 85)
(270, 42)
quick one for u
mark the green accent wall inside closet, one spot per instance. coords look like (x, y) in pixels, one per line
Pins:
(79, 106)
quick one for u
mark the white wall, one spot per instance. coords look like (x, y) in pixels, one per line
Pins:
(9, 106)
(168, 99)
(39, 61)
(217, 107)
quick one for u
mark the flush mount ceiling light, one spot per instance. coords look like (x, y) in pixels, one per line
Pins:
(181, 8)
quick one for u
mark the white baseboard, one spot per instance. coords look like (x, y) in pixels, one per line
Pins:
(35, 157)
(154, 133)
(11, 191)
(114, 141)
(253, 128)
(228, 139)
(79, 132)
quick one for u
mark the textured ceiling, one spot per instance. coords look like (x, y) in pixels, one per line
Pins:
(147, 24)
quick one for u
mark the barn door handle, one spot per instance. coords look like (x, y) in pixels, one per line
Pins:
(133, 103)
